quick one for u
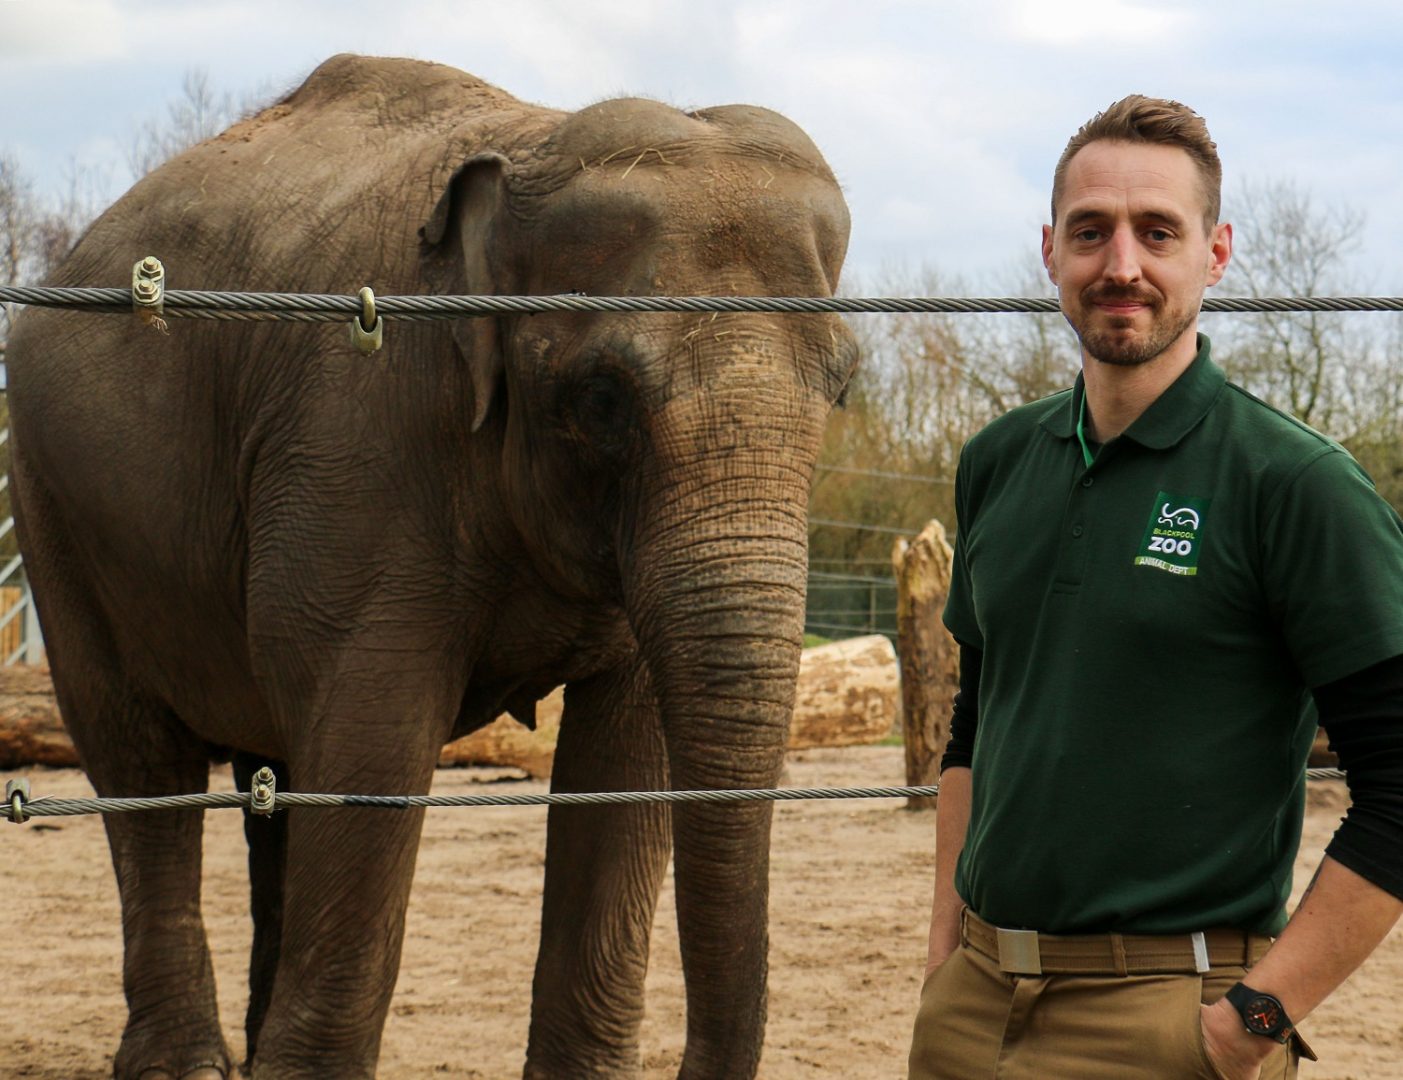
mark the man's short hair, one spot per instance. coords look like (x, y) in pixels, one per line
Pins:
(1140, 119)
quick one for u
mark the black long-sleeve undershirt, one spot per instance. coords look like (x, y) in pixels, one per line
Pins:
(1363, 716)
(964, 713)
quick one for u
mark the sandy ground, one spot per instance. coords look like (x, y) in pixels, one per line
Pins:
(850, 896)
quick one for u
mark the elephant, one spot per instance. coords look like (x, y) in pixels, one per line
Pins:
(247, 541)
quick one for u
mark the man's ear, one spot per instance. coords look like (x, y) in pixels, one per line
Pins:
(456, 254)
(1219, 252)
(1048, 264)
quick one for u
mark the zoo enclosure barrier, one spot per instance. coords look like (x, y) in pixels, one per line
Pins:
(20, 640)
(263, 799)
(149, 299)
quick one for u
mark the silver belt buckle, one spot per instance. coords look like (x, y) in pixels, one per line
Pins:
(1018, 952)
(1201, 964)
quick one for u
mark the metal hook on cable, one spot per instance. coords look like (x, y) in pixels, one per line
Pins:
(367, 331)
(17, 794)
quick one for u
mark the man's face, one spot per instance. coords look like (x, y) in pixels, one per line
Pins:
(1130, 253)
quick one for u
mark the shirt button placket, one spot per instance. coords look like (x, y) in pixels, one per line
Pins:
(1072, 556)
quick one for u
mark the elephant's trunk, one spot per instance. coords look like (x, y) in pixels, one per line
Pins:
(725, 684)
(717, 599)
(715, 583)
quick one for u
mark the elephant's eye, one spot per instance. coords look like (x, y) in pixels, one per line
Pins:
(600, 412)
(600, 403)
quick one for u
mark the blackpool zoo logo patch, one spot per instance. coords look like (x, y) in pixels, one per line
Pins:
(1174, 534)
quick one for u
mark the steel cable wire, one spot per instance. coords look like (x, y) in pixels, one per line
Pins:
(333, 307)
(46, 806)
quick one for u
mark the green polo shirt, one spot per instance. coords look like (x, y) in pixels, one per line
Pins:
(1151, 626)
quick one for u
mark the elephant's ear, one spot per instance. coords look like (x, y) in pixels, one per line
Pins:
(457, 241)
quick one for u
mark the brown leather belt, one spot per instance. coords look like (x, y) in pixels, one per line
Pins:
(1027, 952)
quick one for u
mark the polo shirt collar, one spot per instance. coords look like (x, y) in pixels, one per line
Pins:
(1170, 416)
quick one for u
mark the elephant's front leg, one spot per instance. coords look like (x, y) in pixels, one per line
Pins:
(133, 745)
(346, 888)
(173, 1024)
(603, 868)
(172, 1030)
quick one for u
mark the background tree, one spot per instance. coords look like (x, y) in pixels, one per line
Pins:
(1337, 372)
(927, 382)
(200, 112)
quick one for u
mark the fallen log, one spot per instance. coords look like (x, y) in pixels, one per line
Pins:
(848, 695)
(506, 742)
(30, 730)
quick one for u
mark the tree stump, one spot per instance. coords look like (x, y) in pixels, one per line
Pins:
(930, 660)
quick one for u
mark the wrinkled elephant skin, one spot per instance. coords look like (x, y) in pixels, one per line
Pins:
(248, 540)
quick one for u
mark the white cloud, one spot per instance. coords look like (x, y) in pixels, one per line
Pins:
(562, 55)
(758, 26)
(1073, 22)
(38, 34)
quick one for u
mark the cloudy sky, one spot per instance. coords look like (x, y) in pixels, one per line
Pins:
(942, 119)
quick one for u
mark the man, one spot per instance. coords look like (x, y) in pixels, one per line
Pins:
(1155, 576)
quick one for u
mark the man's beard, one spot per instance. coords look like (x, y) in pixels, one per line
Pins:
(1110, 346)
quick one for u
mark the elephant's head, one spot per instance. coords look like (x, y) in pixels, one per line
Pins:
(666, 457)
(660, 464)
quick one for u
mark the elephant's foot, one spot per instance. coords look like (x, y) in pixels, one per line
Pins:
(211, 1064)
(570, 1072)
(200, 1055)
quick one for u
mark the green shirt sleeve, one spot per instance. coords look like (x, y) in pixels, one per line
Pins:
(959, 614)
(1332, 566)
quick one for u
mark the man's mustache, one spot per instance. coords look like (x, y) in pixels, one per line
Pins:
(1111, 294)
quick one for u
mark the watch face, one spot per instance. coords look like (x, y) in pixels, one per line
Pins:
(1263, 1015)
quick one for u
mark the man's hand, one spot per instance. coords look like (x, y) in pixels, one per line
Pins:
(1234, 1051)
(944, 940)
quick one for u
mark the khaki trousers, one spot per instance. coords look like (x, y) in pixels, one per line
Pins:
(978, 1023)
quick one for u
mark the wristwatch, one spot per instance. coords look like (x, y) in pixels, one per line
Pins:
(1261, 1013)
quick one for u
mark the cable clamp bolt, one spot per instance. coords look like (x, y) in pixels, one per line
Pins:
(264, 792)
(149, 288)
(367, 331)
(17, 794)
